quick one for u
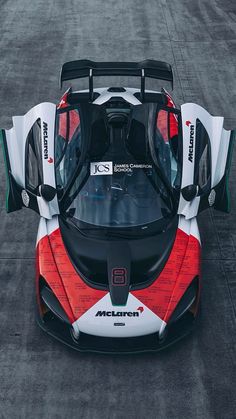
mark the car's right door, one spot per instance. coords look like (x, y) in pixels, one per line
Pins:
(207, 151)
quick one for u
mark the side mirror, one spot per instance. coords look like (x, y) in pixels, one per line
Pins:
(47, 192)
(189, 192)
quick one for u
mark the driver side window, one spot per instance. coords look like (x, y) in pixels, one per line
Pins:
(202, 167)
(67, 145)
(33, 164)
(166, 144)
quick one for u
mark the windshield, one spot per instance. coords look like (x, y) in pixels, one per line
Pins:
(117, 165)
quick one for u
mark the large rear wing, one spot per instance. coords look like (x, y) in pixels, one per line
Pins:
(86, 68)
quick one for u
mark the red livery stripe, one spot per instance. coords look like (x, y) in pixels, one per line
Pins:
(75, 296)
(182, 266)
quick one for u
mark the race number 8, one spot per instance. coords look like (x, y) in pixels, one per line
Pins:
(119, 276)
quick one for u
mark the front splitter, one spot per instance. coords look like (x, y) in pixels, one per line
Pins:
(107, 345)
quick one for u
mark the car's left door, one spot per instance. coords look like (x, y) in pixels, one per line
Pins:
(29, 157)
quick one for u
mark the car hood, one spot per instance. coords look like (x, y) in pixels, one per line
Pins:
(96, 259)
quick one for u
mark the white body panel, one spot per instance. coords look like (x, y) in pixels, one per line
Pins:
(142, 323)
(128, 95)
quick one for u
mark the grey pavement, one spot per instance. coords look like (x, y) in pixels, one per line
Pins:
(40, 378)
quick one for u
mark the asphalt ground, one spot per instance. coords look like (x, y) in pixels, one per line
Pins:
(39, 377)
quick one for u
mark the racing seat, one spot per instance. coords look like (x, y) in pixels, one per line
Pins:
(99, 138)
(136, 142)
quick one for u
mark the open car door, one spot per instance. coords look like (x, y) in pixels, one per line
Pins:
(207, 152)
(29, 157)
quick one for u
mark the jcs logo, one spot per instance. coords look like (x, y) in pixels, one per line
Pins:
(101, 168)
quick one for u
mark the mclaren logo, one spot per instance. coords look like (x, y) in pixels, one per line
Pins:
(45, 140)
(113, 313)
(191, 140)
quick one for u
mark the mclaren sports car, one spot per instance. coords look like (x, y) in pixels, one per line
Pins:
(118, 177)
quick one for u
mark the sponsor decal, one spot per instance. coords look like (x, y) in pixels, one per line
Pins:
(101, 168)
(140, 309)
(50, 160)
(25, 198)
(119, 324)
(108, 167)
(45, 140)
(212, 197)
(113, 313)
(191, 140)
(129, 167)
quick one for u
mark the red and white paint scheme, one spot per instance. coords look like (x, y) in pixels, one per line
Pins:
(81, 303)
(149, 308)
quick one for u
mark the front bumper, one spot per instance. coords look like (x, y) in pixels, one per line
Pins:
(89, 343)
